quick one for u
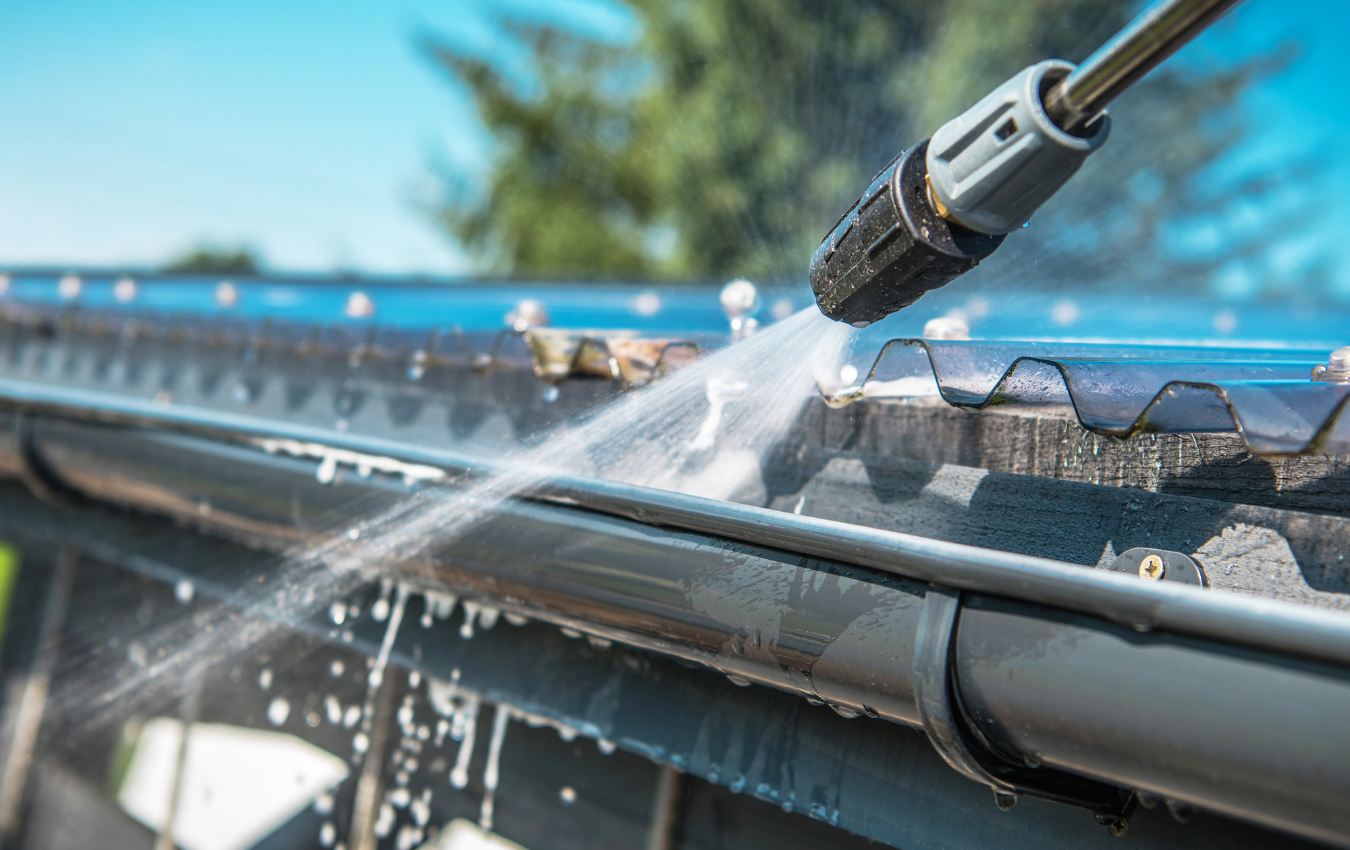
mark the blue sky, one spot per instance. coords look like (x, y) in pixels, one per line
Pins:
(132, 131)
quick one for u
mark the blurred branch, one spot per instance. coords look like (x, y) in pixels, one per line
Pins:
(733, 132)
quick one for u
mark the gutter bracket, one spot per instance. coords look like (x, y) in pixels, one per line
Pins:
(1160, 565)
(937, 696)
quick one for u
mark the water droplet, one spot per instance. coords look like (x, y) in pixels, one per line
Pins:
(353, 534)
(550, 393)
(738, 681)
(846, 711)
(399, 798)
(421, 811)
(265, 678)
(137, 654)
(183, 591)
(471, 610)
(323, 804)
(380, 610)
(360, 743)
(384, 821)
(333, 709)
(606, 747)
(278, 711)
(408, 837)
(567, 795)
(351, 716)
(327, 470)
(327, 834)
(599, 642)
(738, 784)
(338, 612)
(571, 633)
(312, 719)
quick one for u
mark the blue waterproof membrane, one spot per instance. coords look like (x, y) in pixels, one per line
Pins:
(694, 308)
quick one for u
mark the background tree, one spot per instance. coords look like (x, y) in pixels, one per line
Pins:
(213, 259)
(732, 133)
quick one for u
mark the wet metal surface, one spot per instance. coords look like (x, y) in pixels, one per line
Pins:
(789, 602)
(878, 779)
(1267, 395)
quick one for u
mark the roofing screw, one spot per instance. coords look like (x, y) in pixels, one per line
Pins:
(1337, 370)
(226, 294)
(528, 314)
(69, 287)
(1116, 825)
(359, 306)
(740, 300)
(1152, 568)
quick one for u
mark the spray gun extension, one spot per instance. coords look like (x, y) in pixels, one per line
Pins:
(940, 207)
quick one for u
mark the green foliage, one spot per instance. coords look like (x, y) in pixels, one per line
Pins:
(730, 136)
(213, 259)
(10, 558)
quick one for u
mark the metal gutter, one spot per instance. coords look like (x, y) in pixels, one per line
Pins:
(1256, 623)
(1232, 704)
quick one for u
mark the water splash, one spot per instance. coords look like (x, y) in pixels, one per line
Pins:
(491, 771)
(376, 677)
(707, 430)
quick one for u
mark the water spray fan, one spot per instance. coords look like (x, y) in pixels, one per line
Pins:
(946, 203)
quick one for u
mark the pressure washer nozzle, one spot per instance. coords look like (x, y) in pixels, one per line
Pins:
(947, 203)
(891, 247)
